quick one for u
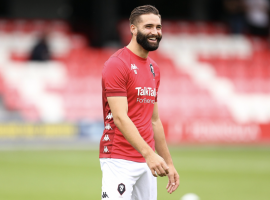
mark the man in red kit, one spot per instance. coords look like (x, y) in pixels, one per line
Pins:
(133, 130)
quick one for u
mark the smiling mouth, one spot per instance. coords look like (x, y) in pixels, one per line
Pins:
(152, 39)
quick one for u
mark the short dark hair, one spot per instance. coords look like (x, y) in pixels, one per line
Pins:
(142, 10)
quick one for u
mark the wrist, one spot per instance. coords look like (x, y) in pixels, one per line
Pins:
(169, 163)
(147, 152)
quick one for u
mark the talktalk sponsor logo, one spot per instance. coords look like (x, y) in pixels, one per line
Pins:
(146, 91)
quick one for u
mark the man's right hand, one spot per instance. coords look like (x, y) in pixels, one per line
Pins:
(157, 165)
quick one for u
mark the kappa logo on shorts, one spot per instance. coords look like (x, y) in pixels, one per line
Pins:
(121, 188)
(104, 195)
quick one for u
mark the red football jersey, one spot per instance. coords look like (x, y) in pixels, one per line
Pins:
(126, 74)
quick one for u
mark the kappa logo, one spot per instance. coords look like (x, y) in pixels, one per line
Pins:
(104, 195)
(106, 150)
(106, 138)
(121, 188)
(134, 67)
(108, 127)
(109, 116)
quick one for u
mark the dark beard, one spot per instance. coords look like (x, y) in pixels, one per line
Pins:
(142, 40)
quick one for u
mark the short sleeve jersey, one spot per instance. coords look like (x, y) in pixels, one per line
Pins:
(128, 75)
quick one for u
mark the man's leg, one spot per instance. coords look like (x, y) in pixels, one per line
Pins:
(118, 178)
(146, 186)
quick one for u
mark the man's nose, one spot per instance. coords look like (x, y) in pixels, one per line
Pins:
(154, 31)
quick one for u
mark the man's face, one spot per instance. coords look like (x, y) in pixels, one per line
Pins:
(149, 32)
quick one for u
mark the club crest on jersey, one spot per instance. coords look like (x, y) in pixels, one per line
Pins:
(135, 68)
(121, 188)
(152, 69)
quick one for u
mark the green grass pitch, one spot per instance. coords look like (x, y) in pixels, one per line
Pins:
(213, 173)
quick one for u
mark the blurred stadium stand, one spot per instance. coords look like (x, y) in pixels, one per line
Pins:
(60, 91)
(215, 86)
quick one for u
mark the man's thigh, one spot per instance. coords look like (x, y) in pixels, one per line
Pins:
(145, 187)
(117, 179)
(127, 180)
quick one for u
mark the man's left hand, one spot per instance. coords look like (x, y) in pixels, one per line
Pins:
(173, 179)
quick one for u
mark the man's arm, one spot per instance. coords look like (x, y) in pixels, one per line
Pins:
(119, 108)
(163, 151)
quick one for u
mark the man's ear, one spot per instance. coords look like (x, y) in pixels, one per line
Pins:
(133, 29)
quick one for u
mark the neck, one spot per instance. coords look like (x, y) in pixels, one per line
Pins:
(137, 49)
